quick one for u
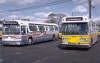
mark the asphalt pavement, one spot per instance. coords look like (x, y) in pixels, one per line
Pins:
(50, 52)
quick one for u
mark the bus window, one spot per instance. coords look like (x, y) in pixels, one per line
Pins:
(56, 28)
(41, 28)
(46, 28)
(33, 28)
(23, 29)
(74, 28)
(51, 28)
(11, 29)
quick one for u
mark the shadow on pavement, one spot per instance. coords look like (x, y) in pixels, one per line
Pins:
(72, 48)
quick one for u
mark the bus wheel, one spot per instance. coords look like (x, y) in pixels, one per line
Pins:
(30, 41)
(91, 43)
(53, 38)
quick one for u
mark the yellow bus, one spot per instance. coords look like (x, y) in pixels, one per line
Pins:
(99, 30)
(0, 31)
(60, 35)
(78, 31)
(60, 32)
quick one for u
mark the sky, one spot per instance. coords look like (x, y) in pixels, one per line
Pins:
(38, 10)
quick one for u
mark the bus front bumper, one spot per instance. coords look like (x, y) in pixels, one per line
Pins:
(11, 43)
(74, 46)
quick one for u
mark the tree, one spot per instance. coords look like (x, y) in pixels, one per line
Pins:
(55, 18)
(26, 19)
(51, 18)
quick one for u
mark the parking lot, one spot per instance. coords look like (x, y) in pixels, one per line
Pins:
(49, 52)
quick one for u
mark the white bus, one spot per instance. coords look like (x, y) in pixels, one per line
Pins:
(78, 31)
(27, 32)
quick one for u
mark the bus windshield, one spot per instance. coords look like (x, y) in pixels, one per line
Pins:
(74, 28)
(11, 29)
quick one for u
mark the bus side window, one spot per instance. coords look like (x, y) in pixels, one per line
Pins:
(51, 28)
(23, 29)
(33, 28)
(41, 28)
(46, 28)
(56, 28)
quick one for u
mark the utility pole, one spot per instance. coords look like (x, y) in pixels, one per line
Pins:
(72, 13)
(90, 9)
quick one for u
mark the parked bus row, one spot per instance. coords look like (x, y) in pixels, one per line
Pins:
(75, 31)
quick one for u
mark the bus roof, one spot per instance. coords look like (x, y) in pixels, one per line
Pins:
(31, 22)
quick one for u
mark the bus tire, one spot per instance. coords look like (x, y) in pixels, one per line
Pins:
(30, 41)
(53, 38)
(91, 43)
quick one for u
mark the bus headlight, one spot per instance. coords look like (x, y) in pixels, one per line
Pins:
(83, 39)
(65, 41)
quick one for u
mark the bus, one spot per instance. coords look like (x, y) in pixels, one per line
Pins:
(98, 30)
(78, 31)
(0, 31)
(60, 32)
(20, 32)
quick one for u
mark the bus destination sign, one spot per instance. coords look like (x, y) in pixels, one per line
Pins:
(74, 19)
(10, 23)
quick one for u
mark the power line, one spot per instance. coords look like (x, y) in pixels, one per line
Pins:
(40, 6)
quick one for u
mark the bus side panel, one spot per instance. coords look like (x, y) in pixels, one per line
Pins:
(94, 37)
(24, 39)
(52, 34)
